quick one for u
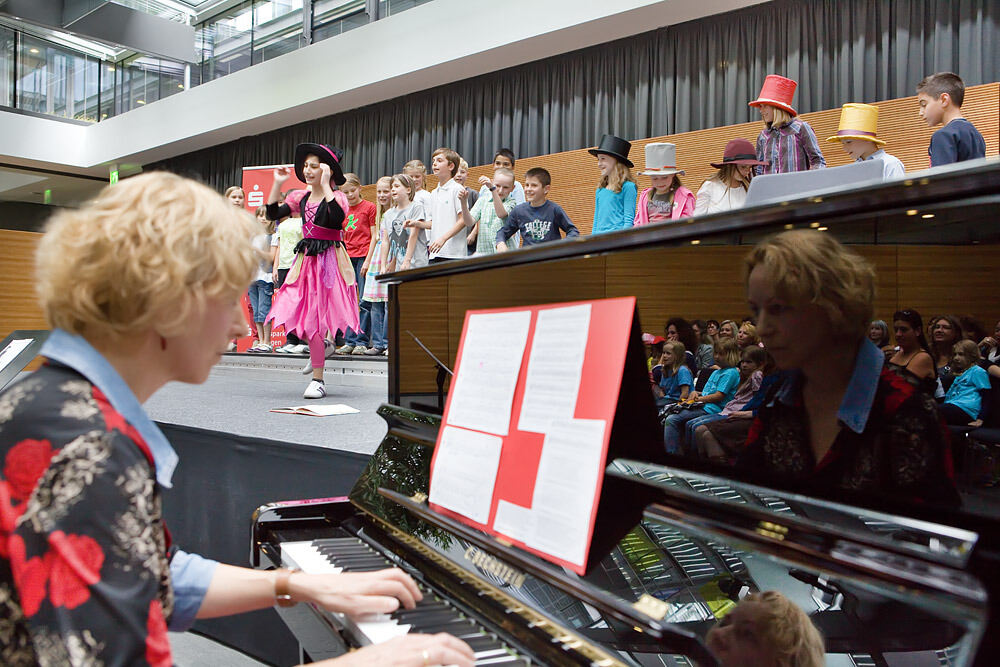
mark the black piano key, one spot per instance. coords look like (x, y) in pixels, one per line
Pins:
(511, 661)
(360, 560)
(402, 614)
(479, 643)
(420, 619)
(459, 628)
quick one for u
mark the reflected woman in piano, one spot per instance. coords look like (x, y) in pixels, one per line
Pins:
(141, 286)
(766, 630)
(840, 420)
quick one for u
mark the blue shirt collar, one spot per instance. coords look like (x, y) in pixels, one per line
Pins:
(860, 395)
(76, 353)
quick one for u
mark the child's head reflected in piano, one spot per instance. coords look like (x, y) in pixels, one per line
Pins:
(766, 630)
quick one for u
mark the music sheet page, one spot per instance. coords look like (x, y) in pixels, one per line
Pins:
(465, 472)
(483, 392)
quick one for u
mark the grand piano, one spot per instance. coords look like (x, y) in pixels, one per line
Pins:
(886, 583)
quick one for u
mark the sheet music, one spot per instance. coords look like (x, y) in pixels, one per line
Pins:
(465, 472)
(553, 380)
(14, 348)
(483, 392)
(558, 521)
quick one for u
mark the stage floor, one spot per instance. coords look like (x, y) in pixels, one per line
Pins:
(242, 389)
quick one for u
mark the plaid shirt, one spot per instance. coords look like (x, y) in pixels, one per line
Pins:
(490, 223)
(789, 148)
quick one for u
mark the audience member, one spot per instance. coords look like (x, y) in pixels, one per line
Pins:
(677, 328)
(85, 467)
(857, 136)
(654, 350)
(878, 333)
(667, 199)
(766, 630)
(972, 329)
(404, 226)
(722, 441)
(727, 188)
(990, 345)
(321, 297)
(718, 391)
(747, 336)
(538, 220)
(675, 381)
(359, 239)
(262, 288)
(751, 374)
(614, 207)
(504, 159)
(448, 228)
(727, 329)
(940, 97)
(490, 213)
(944, 332)
(786, 143)
(964, 399)
(912, 358)
(376, 294)
(703, 356)
(839, 421)
(712, 329)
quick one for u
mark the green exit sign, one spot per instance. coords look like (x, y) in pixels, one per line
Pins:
(114, 176)
(47, 196)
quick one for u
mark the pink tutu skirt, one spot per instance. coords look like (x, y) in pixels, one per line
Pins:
(318, 300)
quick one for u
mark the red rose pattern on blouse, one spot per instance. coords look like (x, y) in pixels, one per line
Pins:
(69, 463)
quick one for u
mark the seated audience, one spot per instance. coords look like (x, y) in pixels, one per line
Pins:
(972, 329)
(989, 346)
(839, 421)
(727, 329)
(751, 364)
(747, 336)
(944, 331)
(654, 350)
(766, 630)
(712, 329)
(727, 188)
(87, 567)
(964, 400)
(675, 379)
(724, 440)
(912, 357)
(718, 391)
(878, 333)
(703, 357)
(538, 220)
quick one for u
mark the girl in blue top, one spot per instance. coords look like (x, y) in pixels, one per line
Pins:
(614, 205)
(964, 400)
(718, 391)
(675, 377)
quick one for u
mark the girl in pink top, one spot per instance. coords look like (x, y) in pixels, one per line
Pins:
(667, 200)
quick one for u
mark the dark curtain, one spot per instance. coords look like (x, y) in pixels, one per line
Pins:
(685, 77)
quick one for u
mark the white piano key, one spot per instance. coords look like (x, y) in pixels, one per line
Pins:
(378, 632)
(306, 557)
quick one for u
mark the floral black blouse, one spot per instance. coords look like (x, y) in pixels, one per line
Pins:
(84, 564)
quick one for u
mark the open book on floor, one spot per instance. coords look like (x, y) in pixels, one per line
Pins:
(318, 410)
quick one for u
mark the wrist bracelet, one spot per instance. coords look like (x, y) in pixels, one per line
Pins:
(492, 188)
(282, 591)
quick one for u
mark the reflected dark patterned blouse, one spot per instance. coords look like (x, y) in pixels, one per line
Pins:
(902, 452)
(84, 568)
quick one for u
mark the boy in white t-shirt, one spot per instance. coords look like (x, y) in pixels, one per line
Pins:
(448, 229)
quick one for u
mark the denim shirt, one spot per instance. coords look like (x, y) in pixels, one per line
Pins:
(190, 574)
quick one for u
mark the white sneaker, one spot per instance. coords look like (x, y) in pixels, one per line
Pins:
(360, 349)
(285, 349)
(308, 368)
(301, 348)
(343, 349)
(314, 390)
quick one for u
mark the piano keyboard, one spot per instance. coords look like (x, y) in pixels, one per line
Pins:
(432, 614)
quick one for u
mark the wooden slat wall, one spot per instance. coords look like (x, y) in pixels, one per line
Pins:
(575, 176)
(18, 304)
(702, 282)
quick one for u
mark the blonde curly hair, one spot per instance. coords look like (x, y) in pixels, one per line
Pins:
(807, 266)
(144, 254)
(788, 631)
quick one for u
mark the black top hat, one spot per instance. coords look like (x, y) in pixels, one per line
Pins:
(327, 155)
(615, 147)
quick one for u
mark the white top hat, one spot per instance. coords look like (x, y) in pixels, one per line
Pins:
(661, 160)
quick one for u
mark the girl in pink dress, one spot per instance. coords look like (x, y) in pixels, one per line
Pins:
(319, 294)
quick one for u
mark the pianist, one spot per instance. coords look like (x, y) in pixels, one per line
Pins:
(839, 420)
(141, 286)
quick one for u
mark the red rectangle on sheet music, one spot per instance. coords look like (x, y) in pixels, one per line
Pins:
(598, 382)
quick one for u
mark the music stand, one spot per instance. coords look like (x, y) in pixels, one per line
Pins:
(442, 370)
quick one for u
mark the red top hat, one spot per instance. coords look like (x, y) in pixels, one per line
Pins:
(777, 91)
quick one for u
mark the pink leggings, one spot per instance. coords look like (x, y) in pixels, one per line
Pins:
(317, 351)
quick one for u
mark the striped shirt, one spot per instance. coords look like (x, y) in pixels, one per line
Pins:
(789, 148)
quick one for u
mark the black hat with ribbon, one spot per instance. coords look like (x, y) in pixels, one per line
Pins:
(327, 155)
(614, 146)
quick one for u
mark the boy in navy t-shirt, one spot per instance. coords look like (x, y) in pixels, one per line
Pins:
(538, 219)
(940, 96)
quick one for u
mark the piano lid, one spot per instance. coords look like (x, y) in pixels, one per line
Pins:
(876, 585)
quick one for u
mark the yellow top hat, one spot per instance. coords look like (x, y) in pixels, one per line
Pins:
(858, 121)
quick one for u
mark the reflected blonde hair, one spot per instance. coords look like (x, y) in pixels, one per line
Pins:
(810, 267)
(780, 118)
(751, 331)
(620, 174)
(678, 350)
(788, 631)
(144, 254)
